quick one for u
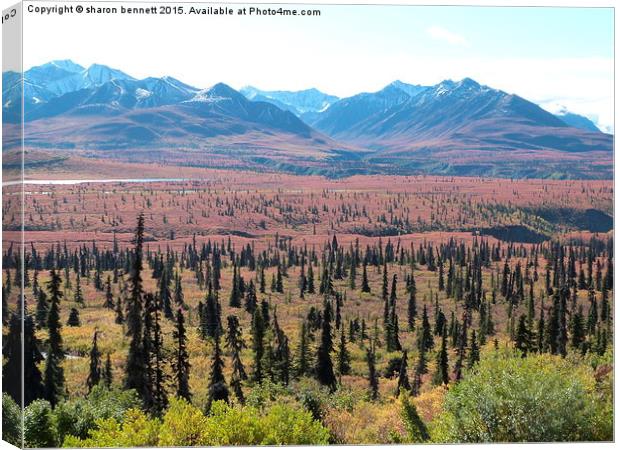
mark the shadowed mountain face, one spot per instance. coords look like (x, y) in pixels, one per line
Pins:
(454, 128)
(452, 114)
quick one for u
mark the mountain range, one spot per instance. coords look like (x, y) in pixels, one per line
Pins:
(454, 127)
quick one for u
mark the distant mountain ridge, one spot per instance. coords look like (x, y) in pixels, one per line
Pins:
(454, 127)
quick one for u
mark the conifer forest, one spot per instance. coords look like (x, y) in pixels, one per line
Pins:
(268, 309)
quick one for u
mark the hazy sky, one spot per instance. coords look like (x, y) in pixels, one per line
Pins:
(553, 56)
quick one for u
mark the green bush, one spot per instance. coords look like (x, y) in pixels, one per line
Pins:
(76, 417)
(136, 430)
(39, 425)
(285, 425)
(185, 425)
(541, 398)
(11, 421)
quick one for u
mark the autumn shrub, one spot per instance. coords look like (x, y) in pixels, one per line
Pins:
(185, 425)
(541, 398)
(136, 430)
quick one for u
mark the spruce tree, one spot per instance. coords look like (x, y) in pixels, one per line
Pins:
(425, 338)
(179, 298)
(324, 367)
(109, 298)
(373, 378)
(119, 318)
(310, 279)
(218, 390)
(74, 318)
(474, 351)
(523, 339)
(165, 295)
(412, 310)
(158, 377)
(42, 309)
(180, 363)
(54, 373)
(441, 372)
(578, 332)
(234, 342)
(302, 366)
(135, 369)
(365, 286)
(94, 374)
(258, 345)
(403, 376)
(344, 359)
(78, 296)
(251, 301)
(107, 372)
(420, 369)
(21, 365)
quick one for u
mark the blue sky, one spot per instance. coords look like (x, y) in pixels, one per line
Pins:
(558, 57)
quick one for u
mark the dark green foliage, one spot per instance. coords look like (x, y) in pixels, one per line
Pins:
(42, 309)
(94, 374)
(107, 372)
(303, 363)
(441, 372)
(11, 421)
(79, 415)
(109, 298)
(416, 429)
(344, 359)
(365, 286)
(234, 342)
(39, 426)
(74, 318)
(373, 377)
(523, 341)
(324, 366)
(403, 376)
(54, 373)
(180, 362)
(218, 390)
(425, 337)
(135, 369)
(420, 369)
(258, 344)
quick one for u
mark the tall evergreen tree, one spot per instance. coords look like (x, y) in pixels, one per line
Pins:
(234, 342)
(412, 310)
(373, 378)
(21, 369)
(180, 363)
(258, 344)
(302, 366)
(524, 338)
(218, 390)
(441, 372)
(107, 372)
(324, 367)
(135, 369)
(94, 374)
(403, 376)
(420, 369)
(474, 351)
(54, 373)
(109, 297)
(365, 286)
(344, 359)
